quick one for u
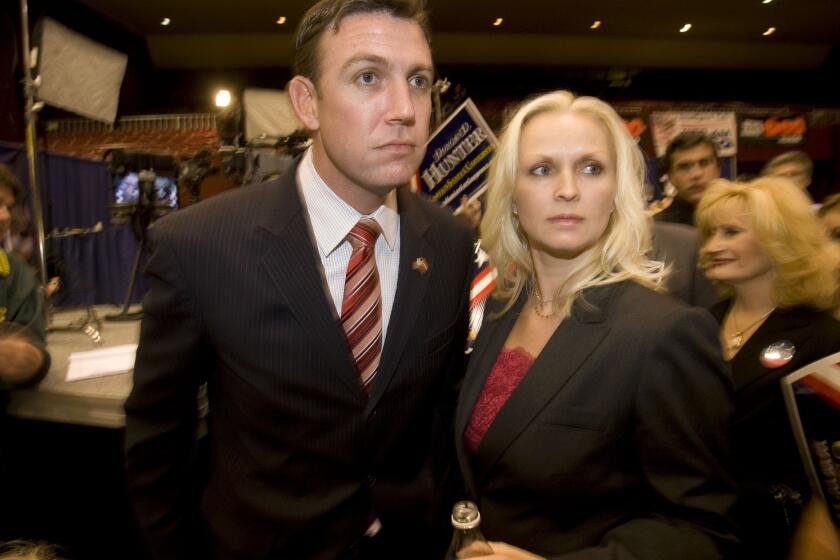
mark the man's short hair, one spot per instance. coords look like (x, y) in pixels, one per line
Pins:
(797, 157)
(328, 14)
(686, 141)
(10, 181)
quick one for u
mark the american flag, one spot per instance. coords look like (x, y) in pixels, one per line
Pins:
(484, 280)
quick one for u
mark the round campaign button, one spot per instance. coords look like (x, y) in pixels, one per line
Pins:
(777, 354)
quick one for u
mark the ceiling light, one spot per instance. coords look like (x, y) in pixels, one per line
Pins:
(595, 24)
(165, 21)
(766, 1)
(281, 20)
(498, 22)
(770, 31)
(222, 98)
(685, 28)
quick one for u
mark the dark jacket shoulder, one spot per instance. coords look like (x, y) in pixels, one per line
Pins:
(226, 209)
(634, 302)
(627, 302)
(677, 211)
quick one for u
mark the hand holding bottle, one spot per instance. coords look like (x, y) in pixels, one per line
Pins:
(468, 541)
(505, 551)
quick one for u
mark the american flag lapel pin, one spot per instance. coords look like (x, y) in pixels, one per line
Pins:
(420, 265)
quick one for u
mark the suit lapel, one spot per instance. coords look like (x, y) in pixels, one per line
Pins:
(411, 289)
(563, 356)
(292, 263)
(491, 338)
(791, 325)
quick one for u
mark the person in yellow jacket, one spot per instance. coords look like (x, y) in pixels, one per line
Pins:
(23, 356)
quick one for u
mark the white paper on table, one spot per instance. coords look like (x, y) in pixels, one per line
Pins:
(97, 363)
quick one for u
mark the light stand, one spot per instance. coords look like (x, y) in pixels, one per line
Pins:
(31, 111)
(90, 324)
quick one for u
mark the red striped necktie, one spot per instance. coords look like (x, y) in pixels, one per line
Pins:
(361, 310)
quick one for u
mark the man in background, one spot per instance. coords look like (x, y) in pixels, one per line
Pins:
(794, 165)
(691, 162)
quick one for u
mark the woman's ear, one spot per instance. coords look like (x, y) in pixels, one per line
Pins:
(304, 100)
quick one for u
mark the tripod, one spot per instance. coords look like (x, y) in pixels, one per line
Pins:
(141, 214)
(123, 314)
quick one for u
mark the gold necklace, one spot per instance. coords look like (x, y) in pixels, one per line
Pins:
(540, 302)
(736, 339)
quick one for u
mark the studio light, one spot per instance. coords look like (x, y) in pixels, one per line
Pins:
(223, 98)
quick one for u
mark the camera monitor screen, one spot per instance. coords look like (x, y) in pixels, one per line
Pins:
(127, 190)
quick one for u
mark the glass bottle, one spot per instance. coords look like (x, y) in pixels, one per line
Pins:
(467, 539)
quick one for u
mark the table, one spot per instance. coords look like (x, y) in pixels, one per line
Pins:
(91, 402)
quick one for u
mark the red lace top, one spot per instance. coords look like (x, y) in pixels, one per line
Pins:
(509, 369)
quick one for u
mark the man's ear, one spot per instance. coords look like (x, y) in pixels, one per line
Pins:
(304, 101)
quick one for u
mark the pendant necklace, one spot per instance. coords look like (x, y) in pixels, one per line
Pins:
(736, 339)
(540, 302)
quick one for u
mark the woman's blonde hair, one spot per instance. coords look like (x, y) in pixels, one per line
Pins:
(25, 550)
(830, 204)
(619, 255)
(781, 218)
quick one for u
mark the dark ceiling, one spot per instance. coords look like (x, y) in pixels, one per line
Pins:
(637, 53)
(725, 34)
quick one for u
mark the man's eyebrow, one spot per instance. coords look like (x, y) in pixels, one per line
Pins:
(423, 68)
(365, 58)
(381, 61)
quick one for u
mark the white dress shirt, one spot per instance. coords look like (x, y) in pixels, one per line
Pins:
(332, 219)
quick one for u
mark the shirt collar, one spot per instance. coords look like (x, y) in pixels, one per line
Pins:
(332, 218)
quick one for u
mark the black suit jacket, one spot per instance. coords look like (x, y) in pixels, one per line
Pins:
(764, 445)
(678, 246)
(614, 444)
(298, 456)
(679, 211)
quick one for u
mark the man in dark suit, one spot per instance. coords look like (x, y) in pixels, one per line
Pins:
(326, 311)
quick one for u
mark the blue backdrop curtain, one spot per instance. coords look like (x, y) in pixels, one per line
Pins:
(75, 193)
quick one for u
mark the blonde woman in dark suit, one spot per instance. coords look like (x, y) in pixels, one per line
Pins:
(592, 421)
(774, 263)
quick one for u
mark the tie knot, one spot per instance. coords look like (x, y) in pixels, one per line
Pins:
(364, 233)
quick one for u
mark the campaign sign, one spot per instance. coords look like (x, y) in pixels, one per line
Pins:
(773, 129)
(720, 126)
(457, 157)
(812, 396)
